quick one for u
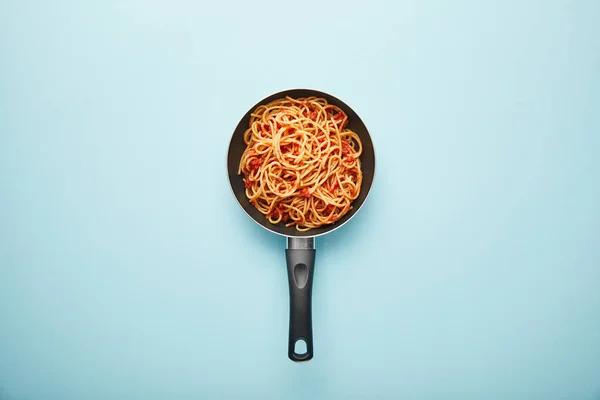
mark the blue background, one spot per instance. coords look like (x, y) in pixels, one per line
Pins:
(128, 271)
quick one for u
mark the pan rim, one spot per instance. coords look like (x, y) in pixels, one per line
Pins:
(282, 92)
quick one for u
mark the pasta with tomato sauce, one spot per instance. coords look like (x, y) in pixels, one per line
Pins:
(301, 164)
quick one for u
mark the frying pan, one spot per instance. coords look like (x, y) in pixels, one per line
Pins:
(300, 252)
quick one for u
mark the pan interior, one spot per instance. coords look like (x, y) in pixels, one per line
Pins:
(237, 147)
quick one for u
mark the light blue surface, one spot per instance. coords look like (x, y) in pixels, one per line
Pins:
(127, 270)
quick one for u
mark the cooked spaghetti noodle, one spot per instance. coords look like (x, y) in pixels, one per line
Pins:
(301, 165)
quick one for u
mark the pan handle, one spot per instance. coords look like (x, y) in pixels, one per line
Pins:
(300, 258)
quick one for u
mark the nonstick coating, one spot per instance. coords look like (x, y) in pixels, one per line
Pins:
(237, 147)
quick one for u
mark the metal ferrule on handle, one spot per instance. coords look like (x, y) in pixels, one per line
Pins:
(300, 243)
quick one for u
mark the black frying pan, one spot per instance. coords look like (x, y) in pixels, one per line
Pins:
(300, 252)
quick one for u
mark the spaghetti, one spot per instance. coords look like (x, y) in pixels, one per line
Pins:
(301, 164)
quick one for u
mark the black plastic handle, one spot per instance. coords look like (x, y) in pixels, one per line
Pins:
(300, 267)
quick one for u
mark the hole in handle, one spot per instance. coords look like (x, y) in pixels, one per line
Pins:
(300, 347)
